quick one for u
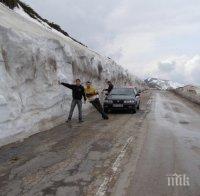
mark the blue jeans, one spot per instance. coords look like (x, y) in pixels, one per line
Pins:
(97, 104)
(73, 105)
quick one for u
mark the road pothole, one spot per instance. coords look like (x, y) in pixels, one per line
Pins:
(14, 159)
(101, 145)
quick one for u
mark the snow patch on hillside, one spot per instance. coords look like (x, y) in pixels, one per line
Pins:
(19, 10)
(162, 84)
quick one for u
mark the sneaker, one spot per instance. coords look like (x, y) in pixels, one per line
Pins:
(68, 120)
(105, 116)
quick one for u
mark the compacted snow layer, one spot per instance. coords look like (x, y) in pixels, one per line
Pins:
(32, 60)
(190, 95)
(162, 84)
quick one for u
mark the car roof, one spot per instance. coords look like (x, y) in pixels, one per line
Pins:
(125, 87)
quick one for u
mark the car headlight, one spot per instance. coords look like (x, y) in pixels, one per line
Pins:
(108, 101)
(129, 101)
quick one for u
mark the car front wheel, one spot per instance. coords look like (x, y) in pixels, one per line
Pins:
(133, 111)
(106, 110)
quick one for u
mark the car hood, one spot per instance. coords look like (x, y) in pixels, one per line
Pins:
(120, 97)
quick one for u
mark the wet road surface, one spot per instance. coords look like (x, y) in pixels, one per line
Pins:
(131, 154)
(73, 159)
(172, 146)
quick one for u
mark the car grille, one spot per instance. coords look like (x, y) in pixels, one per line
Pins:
(118, 101)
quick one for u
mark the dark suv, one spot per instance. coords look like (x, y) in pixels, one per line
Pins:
(122, 99)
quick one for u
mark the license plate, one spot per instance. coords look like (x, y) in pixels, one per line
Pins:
(118, 105)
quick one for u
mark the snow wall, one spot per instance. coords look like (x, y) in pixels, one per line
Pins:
(195, 98)
(32, 60)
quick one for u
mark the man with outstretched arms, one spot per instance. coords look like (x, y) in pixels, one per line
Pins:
(78, 93)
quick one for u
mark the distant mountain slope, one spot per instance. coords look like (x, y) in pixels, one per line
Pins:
(21, 7)
(162, 84)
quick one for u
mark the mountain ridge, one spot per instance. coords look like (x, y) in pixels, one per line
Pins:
(162, 84)
(12, 4)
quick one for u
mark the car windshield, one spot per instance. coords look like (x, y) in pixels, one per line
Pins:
(122, 91)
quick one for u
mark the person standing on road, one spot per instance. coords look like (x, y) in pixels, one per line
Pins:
(110, 87)
(78, 93)
(93, 98)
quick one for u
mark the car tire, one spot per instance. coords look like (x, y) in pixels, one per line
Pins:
(133, 111)
(106, 110)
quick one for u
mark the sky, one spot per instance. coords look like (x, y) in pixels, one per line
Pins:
(150, 38)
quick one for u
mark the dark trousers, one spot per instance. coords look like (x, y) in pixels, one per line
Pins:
(97, 104)
(73, 105)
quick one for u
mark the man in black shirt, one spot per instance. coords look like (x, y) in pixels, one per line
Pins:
(78, 93)
(110, 87)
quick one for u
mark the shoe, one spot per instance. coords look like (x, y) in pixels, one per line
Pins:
(81, 121)
(68, 120)
(104, 116)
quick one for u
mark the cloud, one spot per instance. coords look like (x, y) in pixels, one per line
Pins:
(193, 69)
(140, 35)
(166, 66)
(182, 69)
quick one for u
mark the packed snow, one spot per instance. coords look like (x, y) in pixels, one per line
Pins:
(33, 58)
(21, 12)
(162, 84)
(189, 92)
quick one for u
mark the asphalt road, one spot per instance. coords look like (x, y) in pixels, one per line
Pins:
(72, 159)
(130, 154)
(172, 146)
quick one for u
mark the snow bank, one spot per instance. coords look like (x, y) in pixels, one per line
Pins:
(32, 60)
(191, 95)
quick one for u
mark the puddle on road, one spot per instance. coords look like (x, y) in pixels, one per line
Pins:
(184, 122)
(14, 159)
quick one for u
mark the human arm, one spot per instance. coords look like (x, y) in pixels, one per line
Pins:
(110, 88)
(70, 86)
